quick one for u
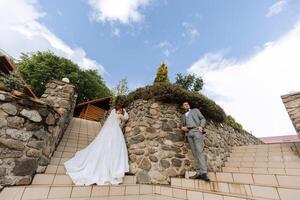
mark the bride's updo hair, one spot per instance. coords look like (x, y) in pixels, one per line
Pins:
(120, 108)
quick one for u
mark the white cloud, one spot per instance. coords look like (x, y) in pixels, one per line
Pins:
(250, 89)
(124, 11)
(211, 61)
(276, 8)
(166, 47)
(116, 32)
(190, 31)
(22, 32)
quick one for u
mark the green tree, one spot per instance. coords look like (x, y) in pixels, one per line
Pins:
(122, 88)
(162, 74)
(190, 82)
(41, 67)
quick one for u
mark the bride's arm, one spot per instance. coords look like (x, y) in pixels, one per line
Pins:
(125, 116)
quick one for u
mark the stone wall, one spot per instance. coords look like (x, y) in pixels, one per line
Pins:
(292, 105)
(30, 130)
(158, 150)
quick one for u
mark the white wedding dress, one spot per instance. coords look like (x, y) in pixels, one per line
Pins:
(105, 160)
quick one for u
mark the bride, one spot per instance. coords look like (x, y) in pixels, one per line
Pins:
(105, 160)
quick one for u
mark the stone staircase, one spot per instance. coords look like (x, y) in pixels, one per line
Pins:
(261, 172)
(251, 172)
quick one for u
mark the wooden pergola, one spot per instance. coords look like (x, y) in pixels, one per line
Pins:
(94, 110)
(8, 67)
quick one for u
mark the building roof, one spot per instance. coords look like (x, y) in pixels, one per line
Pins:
(94, 101)
(6, 66)
(280, 139)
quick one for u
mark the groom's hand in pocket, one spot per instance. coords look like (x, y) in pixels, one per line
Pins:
(184, 129)
(200, 129)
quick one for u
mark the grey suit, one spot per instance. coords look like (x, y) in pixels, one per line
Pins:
(195, 137)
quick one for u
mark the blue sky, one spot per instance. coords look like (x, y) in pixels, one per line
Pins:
(240, 27)
(245, 50)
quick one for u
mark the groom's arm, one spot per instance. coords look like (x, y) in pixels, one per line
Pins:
(201, 118)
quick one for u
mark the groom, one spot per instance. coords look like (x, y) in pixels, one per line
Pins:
(192, 124)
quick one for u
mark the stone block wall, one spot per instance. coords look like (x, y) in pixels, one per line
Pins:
(158, 150)
(30, 131)
(292, 105)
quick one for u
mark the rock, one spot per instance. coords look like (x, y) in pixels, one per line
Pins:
(151, 130)
(176, 149)
(187, 162)
(3, 122)
(176, 162)
(143, 177)
(47, 150)
(168, 142)
(18, 135)
(29, 126)
(152, 150)
(137, 139)
(5, 97)
(137, 152)
(136, 130)
(166, 127)
(175, 137)
(2, 171)
(153, 112)
(138, 146)
(36, 144)
(12, 144)
(166, 148)
(153, 158)
(145, 164)
(153, 143)
(7, 153)
(15, 122)
(171, 172)
(24, 181)
(172, 124)
(50, 120)
(9, 108)
(165, 164)
(41, 134)
(179, 155)
(33, 153)
(3, 114)
(43, 161)
(64, 104)
(127, 129)
(32, 115)
(41, 169)
(154, 105)
(26, 166)
(44, 112)
(158, 177)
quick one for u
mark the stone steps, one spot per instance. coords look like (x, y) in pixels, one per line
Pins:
(258, 164)
(32, 192)
(201, 194)
(285, 181)
(264, 159)
(63, 179)
(267, 146)
(261, 170)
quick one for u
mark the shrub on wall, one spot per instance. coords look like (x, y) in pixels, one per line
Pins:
(231, 122)
(170, 93)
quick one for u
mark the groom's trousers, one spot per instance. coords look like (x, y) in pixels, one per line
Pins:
(196, 141)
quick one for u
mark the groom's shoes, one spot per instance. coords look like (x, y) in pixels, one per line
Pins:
(195, 176)
(200, 176)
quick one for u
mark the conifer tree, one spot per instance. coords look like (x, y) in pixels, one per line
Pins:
(162, 74)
